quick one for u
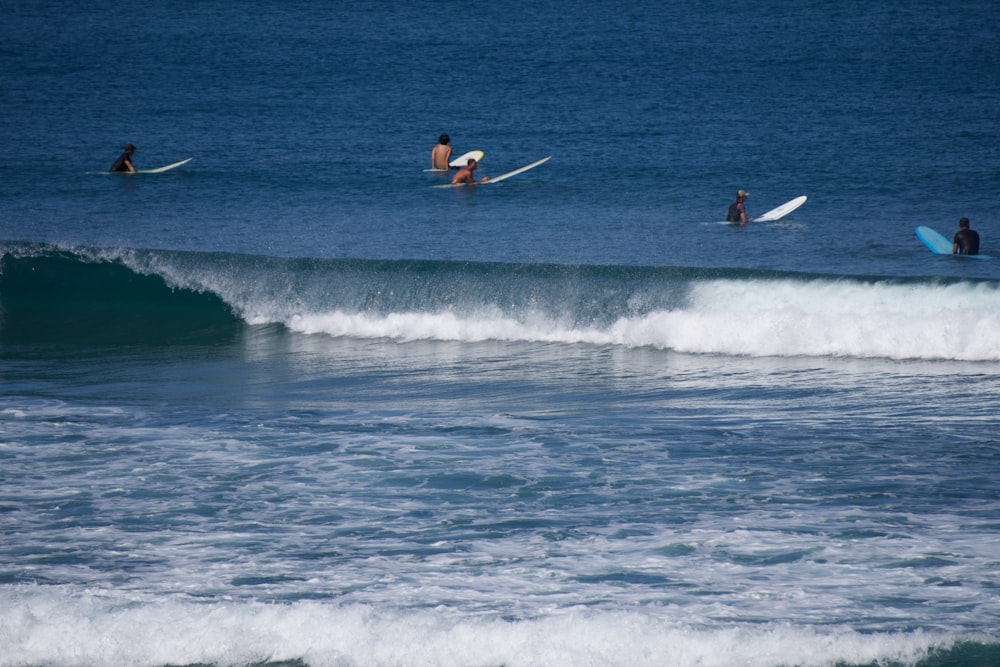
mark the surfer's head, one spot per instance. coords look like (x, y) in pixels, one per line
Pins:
(444, 139)
(471, 163)
(742, 194)
(963, 223)
(129, 148)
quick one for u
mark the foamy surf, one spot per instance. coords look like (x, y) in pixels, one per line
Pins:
(747, 318)
(63, 629)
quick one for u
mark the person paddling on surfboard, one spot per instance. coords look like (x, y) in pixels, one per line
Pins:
(738, 209)
(465, 176)
(441, 154)
(966, 241)
(124, 162)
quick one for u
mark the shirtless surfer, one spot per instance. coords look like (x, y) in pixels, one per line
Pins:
(441, 154)
(465, 176)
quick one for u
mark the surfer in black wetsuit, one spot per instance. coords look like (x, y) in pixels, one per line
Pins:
(124, 162)
(738, 209)
(966, 241)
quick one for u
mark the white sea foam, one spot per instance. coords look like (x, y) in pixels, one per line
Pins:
(829, 318)
(752, 318)
(54, 626)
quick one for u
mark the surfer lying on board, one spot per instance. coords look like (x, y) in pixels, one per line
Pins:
(124, 162)
(441, 154)
(464, 175)
(738, 209)
(966, 241)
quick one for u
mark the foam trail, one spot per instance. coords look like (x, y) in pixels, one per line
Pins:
(50, 627)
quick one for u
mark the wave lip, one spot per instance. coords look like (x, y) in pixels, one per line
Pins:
(60, 297)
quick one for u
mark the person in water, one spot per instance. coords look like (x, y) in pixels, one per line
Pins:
(441, 154)
(466, 176)
(966, 241)
(124, 164)
(738, 209)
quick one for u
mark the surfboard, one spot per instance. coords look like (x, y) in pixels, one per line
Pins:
(781, 211)
(160, 170)
(501, 177)
(939, 244)
(463, 159)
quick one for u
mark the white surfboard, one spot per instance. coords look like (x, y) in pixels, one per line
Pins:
(160, 170)
(501, 177)
(781, 211)
(463, 159)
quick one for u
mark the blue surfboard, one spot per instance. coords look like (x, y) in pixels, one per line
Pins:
(939, 244)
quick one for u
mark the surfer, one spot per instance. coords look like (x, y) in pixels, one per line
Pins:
(441, 154)
(465, 175)
(966, 241)
(738, 209)
(124, 162)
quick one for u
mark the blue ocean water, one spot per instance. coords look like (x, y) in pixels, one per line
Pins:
(292, 405)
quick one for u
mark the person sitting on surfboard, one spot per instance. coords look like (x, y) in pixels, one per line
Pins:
(966, 241)
(465, 176)
(441, 154)
(738, 209)
(124, 162)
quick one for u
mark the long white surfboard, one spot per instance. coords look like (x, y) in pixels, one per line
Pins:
(501, 177)
(781, 211)
(160, 170)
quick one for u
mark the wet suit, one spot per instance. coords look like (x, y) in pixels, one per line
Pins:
(119, 165)
(967, 241)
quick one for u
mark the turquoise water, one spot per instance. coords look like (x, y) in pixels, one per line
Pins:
(290, 404)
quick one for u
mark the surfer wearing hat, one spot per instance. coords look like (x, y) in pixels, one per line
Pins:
(441, 154)
(966, 241)
(124, 162)
(738, 209)
(465, 176)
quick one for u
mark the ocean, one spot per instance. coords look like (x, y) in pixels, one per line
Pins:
(291, 405)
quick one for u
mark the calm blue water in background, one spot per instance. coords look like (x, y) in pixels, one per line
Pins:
(290, 404)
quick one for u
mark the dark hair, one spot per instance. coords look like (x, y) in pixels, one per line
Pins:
(444, 138)
(964, 222)
(129, 148)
